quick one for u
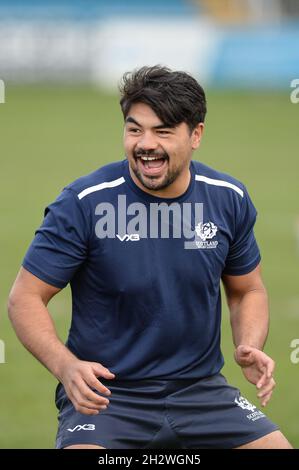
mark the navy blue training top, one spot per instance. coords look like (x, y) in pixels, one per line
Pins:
(145, 271)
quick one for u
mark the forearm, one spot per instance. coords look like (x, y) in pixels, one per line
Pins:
(35, 329)
(250, 318)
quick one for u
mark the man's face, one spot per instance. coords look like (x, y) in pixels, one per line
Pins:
(158, 155)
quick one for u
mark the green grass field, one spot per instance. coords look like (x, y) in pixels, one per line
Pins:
(50, 136)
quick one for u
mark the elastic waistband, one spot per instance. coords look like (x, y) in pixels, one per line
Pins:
(140, 383)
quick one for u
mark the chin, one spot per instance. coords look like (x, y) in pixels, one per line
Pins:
(155, 184)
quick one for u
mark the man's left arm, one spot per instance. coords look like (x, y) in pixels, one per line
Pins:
(249, 316)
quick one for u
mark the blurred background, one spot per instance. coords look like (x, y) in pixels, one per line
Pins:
(60, 62)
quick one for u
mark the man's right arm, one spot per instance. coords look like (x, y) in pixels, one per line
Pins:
(27, 307)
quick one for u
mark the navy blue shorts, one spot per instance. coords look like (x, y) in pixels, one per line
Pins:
(175, 414)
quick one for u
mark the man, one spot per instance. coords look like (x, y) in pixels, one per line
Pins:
(144, 244)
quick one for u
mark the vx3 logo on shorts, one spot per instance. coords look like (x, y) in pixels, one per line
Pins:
(83, 427)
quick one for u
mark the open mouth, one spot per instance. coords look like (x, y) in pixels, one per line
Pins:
(151, 165)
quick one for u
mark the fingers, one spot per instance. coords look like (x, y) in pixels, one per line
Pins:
(101, 371)
(85, 400)
(265, 392)
(94, 383)
(258, 369)
(262, 381)
(83, 387)
(266, 399)
(266, 366)
(84, 407)
(270, 368)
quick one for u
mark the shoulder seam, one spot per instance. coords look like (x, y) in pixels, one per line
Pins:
(100, 186)
(222, 183)
(80, 208)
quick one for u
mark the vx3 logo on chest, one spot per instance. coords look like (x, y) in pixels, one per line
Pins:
(133, 237)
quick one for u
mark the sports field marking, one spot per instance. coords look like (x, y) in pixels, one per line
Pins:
(2, 352)
(2, 92)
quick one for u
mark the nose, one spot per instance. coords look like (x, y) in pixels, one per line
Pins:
(147, 141)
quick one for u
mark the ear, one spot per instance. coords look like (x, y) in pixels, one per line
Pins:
(196, 135)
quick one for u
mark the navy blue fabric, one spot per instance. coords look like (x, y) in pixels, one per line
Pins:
(149, 308)
(155, 413)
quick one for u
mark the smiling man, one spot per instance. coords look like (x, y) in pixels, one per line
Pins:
(145, 243)
(148, 145)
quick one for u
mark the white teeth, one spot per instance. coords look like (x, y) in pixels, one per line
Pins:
(150, 158)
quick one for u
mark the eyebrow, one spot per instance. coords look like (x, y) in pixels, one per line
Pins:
(159, 126)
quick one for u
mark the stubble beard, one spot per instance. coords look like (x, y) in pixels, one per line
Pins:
(152, 182)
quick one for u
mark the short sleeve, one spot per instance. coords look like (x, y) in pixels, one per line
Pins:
(60, 245)
(244, 254)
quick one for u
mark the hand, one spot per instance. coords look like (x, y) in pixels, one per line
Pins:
(79, 378)
(258, 369)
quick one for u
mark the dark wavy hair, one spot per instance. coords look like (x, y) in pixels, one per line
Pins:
(174, 96)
